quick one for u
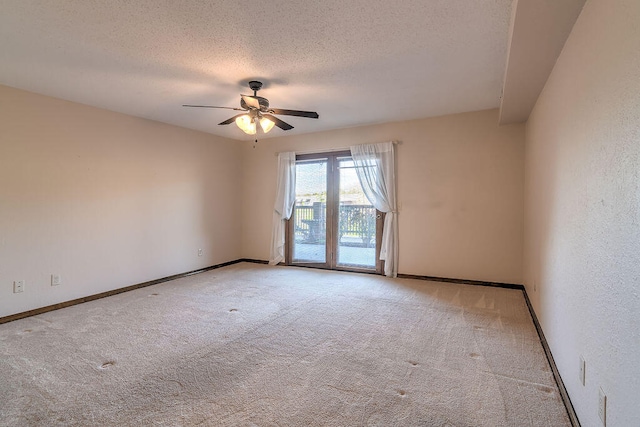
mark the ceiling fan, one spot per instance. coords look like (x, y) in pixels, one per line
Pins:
(256, 111)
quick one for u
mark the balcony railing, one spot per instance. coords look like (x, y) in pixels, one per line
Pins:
(357, 224)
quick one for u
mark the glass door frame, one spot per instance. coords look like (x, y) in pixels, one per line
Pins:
(333, 208)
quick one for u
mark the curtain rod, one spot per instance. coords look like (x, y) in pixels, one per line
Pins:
(328, 150)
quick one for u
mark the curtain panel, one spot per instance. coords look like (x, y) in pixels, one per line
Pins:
(283, 206)
(375, 167)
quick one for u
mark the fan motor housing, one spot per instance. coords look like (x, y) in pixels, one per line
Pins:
(264, 103)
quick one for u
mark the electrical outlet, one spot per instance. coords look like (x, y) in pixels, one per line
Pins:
(18, 286)
(56, 280)
(602, 406)
(583, 366)
(199, 252)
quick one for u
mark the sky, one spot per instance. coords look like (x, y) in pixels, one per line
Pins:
(311, 180)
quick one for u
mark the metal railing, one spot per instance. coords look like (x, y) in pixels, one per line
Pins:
(357, 224)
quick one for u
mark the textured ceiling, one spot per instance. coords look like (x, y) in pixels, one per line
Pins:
(355, 62)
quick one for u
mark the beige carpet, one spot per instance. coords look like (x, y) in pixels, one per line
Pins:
(253, 345)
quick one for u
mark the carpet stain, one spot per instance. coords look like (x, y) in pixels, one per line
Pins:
(544, 388)
(474, 355)
(413, 363)
(232, 310)
(401, 392)
(154, 294)
(107, 365)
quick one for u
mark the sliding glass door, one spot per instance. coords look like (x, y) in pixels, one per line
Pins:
(356, 230)
(333, 225)
(310, 212)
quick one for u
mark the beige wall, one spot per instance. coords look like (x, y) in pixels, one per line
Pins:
(460, 192)
(107, 200)
(582, 252)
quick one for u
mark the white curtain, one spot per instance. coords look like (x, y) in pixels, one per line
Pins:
(283, 207)
(375, 166)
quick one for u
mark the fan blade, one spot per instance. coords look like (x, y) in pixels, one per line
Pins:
(211, 106)
(231, 120)
(251, 101)
(282, 125)
(308, 114)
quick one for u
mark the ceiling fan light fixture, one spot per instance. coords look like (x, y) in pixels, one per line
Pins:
(246, 123)
(266, 124)
(255, 108)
